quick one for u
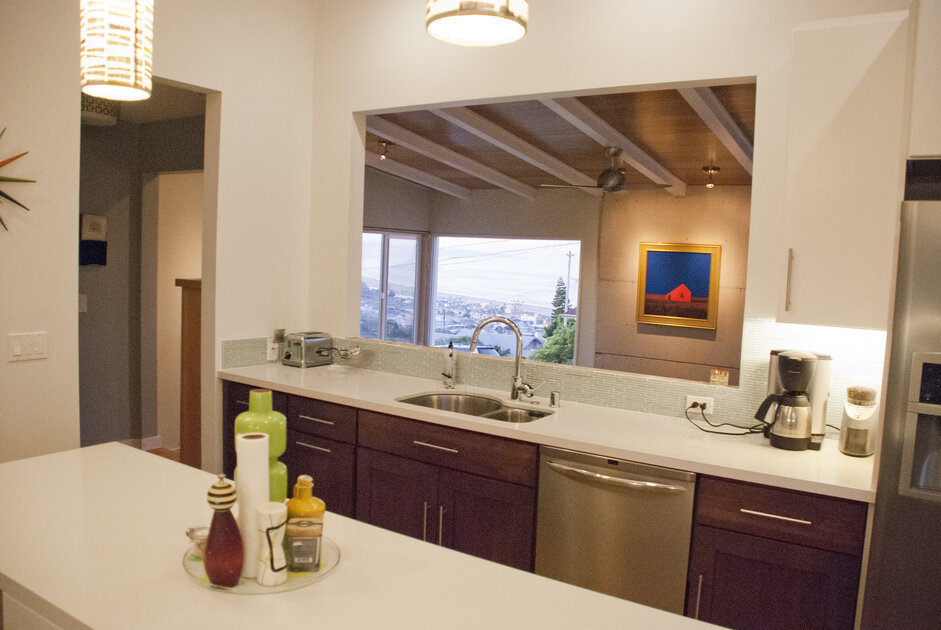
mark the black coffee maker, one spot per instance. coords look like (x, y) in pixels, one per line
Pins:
(790, 421)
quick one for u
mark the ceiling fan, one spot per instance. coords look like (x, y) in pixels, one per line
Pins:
(612, 178)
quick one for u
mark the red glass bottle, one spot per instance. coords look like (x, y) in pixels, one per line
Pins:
(224, 555)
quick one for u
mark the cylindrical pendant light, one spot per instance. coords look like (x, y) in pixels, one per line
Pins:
(117, 48)
(476, 22)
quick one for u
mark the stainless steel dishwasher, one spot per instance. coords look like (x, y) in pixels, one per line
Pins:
(615, 526)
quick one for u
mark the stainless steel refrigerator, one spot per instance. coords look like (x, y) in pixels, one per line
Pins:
(903, 581)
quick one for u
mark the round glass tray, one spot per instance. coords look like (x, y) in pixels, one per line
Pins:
(329, 559)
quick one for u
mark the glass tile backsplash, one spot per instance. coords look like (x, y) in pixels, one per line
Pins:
(857, 360)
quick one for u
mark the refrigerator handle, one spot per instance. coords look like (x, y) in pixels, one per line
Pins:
(787, 286)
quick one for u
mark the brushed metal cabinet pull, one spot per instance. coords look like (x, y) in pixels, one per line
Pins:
(316, 448)
(435, 446)
(778, 517)
(303, 417)
(787, 287)
(440, 524)
(242, 402)
(698, 597)
(424, 523)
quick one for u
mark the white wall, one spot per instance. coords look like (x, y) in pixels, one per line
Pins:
(179, 211)
(257, 63)
(925, 141)
(39, 92)
(375, 56)
(257, 167)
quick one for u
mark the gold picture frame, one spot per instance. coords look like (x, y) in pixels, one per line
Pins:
(678, 285)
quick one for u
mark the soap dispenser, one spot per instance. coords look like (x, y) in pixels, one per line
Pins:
(305, 527)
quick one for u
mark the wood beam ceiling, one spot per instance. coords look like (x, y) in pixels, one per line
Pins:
(476, 124)
(592, 125)
(718, 119)
(413, 141)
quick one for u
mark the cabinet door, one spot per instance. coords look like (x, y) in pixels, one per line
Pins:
(486, 518)
(234, 402)
(746, 582)
(330, 463)
(396, 493)
(845, 170)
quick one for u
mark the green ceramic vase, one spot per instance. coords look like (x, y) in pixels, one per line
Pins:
(261, 418)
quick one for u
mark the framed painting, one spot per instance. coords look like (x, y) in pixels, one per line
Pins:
(678, 285)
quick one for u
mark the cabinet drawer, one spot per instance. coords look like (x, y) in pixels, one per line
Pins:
(321, 418)
(786, 515)
(332, 465)
(468, 451)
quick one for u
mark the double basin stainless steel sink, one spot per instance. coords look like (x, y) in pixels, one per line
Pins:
(475, 405)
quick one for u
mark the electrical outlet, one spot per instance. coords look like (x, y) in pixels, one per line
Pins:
(704, 402)
(272, 349)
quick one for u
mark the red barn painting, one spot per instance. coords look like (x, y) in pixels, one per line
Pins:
(679, 294)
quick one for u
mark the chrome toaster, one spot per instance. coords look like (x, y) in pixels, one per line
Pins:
(307, 349)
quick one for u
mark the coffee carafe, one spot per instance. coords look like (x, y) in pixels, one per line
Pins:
(790, 421)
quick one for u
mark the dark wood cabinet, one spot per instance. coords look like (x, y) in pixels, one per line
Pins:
(768, 558)
(234, 402)
(321, 443)
(412, 479)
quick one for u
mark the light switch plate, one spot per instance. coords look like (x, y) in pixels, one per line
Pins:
(27, 346)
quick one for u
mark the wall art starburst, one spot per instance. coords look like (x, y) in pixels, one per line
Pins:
(4, 196)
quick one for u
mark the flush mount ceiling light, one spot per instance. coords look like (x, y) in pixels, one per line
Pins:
(117, 48)
(712, 170)
(476, 22)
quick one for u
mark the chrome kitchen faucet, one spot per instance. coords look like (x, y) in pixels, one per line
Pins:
(519, 387)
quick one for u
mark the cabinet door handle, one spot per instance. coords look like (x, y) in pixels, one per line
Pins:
(316, 448)
(435, 446)
(698, 597)
(440, 524)
(424, 523)
(330, 422)
(789, 519)
(244, 403)
(787, 287)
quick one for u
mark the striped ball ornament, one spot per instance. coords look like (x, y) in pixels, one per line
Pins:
(222, 495)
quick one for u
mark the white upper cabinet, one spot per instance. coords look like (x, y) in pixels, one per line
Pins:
(926, 88)
(846, 149)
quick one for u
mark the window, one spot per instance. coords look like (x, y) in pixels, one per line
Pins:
(475, 279)
(388, 291)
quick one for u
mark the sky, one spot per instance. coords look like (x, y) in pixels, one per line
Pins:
(668, 270)
(494, 268)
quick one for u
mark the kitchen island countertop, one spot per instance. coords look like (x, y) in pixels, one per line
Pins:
(95, 538)
(632, 435)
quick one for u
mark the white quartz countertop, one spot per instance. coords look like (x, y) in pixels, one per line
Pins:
(643, 437)
(95, 537)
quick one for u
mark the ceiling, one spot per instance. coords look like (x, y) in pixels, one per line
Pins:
(667, 137)
(166, 102)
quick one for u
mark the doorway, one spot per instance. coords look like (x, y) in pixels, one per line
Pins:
(127, 159)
